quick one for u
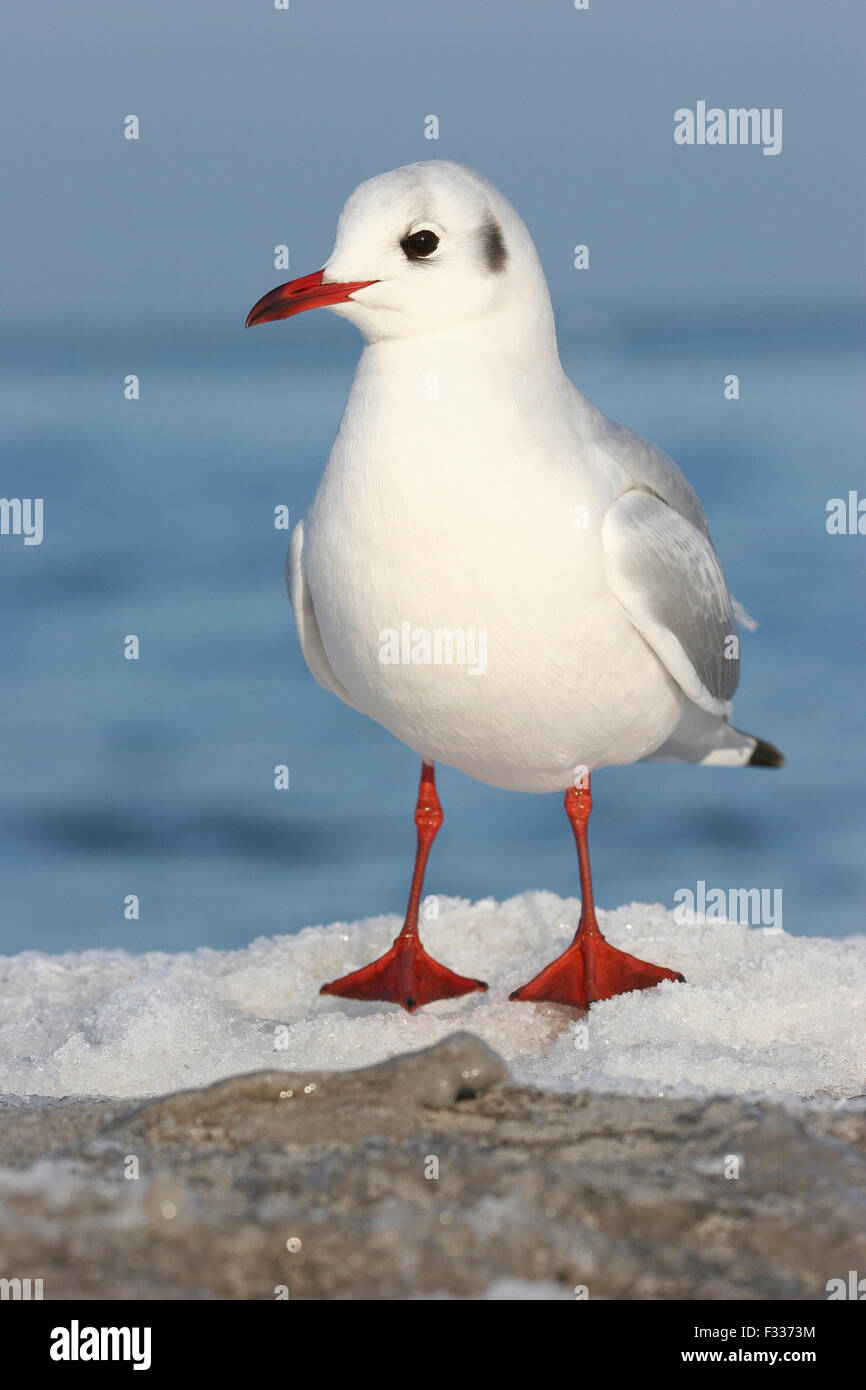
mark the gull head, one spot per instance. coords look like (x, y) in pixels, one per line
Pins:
(422, 249)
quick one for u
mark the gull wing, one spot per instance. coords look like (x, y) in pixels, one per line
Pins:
(666, 574)
(651, 469)
(305, 618)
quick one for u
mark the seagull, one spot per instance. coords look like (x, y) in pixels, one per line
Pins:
(508, 581)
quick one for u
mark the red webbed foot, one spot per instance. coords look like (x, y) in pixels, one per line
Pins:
(405, 975)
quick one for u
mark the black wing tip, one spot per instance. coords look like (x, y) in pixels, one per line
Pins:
(764, 754)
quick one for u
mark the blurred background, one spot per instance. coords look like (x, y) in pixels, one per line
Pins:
(155, 777)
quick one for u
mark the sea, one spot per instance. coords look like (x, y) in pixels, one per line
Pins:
(138, 805)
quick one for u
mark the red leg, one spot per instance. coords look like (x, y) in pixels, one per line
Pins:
(406, 975)
(590, 969)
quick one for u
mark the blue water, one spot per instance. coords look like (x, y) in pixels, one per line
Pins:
(155, 777)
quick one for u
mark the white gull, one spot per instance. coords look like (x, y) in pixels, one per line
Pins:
(476, 502)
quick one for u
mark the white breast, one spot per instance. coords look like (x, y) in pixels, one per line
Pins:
(453, 555)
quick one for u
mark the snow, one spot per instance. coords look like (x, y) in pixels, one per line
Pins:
(763, 1013)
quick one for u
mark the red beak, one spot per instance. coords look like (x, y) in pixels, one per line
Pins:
(309, 292)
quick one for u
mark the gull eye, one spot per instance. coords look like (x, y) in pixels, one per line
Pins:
(420, 244)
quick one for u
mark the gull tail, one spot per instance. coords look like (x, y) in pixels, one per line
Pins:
(711, 741)
(765, 754)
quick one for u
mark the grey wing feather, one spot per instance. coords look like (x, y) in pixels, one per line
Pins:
(653, 470)
(664, 571)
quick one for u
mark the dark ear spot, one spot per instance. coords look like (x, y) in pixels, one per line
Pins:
(493, 241)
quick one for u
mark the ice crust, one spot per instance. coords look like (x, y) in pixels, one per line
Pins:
(762, 1013)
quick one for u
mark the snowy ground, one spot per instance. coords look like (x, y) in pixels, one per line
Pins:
(762, 1013)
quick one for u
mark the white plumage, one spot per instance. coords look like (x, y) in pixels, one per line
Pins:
(473, 489)
(508, 581)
